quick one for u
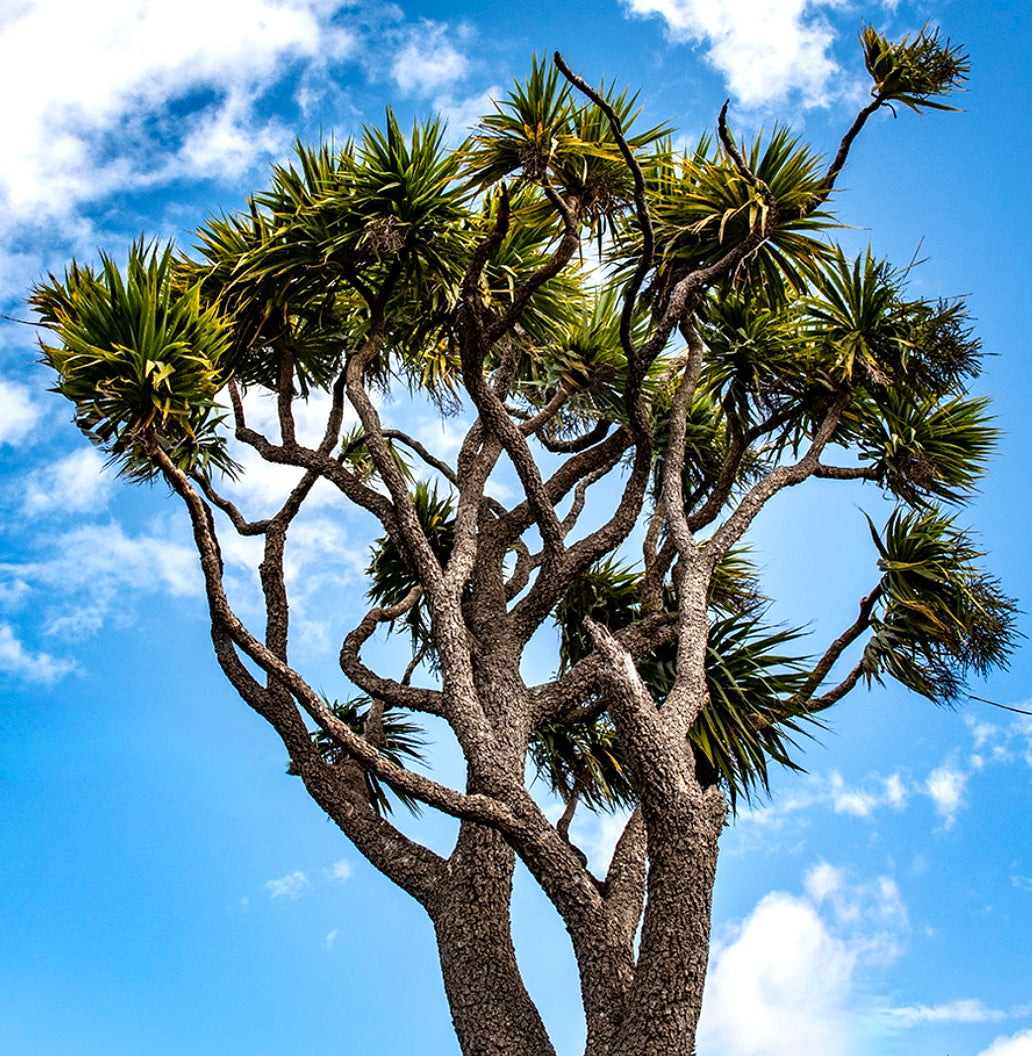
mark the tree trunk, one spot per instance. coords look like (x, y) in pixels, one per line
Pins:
(666, 999)
(490, 1007)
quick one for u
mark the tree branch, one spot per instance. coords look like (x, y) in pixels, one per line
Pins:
(778, 478)
(428, 701)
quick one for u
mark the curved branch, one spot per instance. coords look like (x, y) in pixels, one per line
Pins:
(839, 646)
(230, 509)
(432, 461)
(641, 206)
(599, 431)
(317, 460)
(479, 808)
(778, 478)
(428, 701)
(839, 161)
(407, 863)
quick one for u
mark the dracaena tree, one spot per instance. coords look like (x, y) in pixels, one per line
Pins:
(719, 349)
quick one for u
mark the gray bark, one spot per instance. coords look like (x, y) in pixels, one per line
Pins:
(490, 1007)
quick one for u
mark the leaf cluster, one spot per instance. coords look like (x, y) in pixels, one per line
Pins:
(940, 615)
(395, 735)
(915, 72)
(141, 358)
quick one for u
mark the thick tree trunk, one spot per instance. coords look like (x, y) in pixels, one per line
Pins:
(666, 999)
(491, 1009)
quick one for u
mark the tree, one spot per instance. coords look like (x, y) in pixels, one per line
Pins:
(719, 352)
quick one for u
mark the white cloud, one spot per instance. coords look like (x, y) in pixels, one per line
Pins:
(831, 790)
(767, 50)
(16, 660)
(463, 113)
(331, 938)
(797, 964)
(823, 880)
(428, 60)
(76, 483)
(95, 571)
(227, 140)
(965, 1010)
(289, 886)
(96, 71)
(1019, 1044)
(946, 788)
(851, 801)
(14, 593)
(895, 792)
(75, 624)
(104, 558)
(793, 976)
(19, 412)
(341, 871)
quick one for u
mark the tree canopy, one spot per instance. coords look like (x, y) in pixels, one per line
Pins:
(650, 342)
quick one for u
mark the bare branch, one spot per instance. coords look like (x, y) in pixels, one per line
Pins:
(839, 161)
(780, 477)
(398, 693)
(624, 887)
(237, 519)
(846, 473)
(434, 463)
(534, 424)
(285, 396)
(575, 444)
(839, 646)
(641, 207)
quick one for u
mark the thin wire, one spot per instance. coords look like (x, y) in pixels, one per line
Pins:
(996, 704)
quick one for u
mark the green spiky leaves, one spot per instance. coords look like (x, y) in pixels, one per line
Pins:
(391, 572)
(940, 615)
(703, 205)
(394, 735)
(752, 676)
(543, 133)
(915, 72)
(141, 359)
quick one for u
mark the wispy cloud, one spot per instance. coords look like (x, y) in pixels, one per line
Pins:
(830, 791)
(76, 483)
(429, 60)
(964, 1010)
(945, 785)
(88, 575)
(767, 50)
(104, 558)
(19, 412)
(290, 886)
(341, 871)
(23, 663)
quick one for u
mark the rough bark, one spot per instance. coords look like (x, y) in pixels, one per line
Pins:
(490, 1007)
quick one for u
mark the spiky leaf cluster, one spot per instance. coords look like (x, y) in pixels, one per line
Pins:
(915, 72)
(392, 732)
(940, 615)
(750, 720)
(141, 358)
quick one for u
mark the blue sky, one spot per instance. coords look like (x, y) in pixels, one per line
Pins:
(166, 888)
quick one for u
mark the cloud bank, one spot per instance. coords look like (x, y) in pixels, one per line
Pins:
(767, 50)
